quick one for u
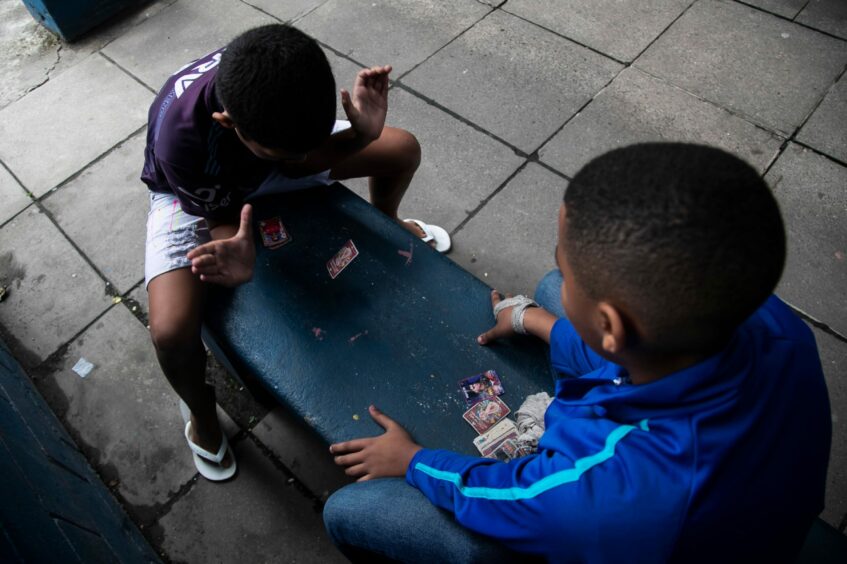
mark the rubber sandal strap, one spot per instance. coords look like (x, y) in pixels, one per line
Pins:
(199, 451)
(428, 236)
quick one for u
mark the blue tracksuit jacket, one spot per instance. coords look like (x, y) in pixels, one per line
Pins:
(724, 460)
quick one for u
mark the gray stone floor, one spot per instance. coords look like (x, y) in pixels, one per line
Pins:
(508, 99)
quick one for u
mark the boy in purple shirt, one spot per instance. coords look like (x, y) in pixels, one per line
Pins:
(260, 110)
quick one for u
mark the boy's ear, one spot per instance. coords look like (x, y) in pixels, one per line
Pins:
(223, 119)
(612, 328)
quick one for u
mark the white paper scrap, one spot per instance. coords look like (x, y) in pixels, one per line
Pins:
(82, 367)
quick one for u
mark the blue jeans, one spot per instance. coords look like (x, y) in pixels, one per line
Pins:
(389, 520)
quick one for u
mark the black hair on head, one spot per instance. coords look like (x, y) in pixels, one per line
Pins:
(277, 86)
(686, 238)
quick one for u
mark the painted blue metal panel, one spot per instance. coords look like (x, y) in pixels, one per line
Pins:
(54, 507)
(71, 18)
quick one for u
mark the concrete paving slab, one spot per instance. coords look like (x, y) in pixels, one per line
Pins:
(184, 31)
(514, 79)
(288, 11)
(826, 130)
(301, 451)
(833, 353)
(771, 70)
(62, 126)
(460, 166)
(30, 55)
(618, 29)
(785, 8)
(256, 517)
(401, 33)
(826, 15)
(104, 211)
(53, 292)
(637, 107)
(123, 415)
(13, 198)
(509, 244)
(810, 191)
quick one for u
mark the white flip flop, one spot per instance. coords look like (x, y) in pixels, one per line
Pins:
(434, 233)
(208, 464)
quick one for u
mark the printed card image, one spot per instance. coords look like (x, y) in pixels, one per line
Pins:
(505, 451)
(342, 258)
(273, 232)
(481, 387)
(486, 413)
(505, 429)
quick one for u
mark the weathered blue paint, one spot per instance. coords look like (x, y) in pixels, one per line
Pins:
(53, 507)
(416, 325)
(71, 18)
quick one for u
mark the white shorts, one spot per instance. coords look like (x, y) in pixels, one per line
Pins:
(172, 233)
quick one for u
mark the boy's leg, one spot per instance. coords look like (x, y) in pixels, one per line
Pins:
(548, 293)
(176, 311)
(389, 163)
(389, 520)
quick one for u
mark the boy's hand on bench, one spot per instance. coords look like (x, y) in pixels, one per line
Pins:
(228, 261)
(367, 106)
(385, 456)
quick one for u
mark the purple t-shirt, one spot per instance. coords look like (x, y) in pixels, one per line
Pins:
(192, 156)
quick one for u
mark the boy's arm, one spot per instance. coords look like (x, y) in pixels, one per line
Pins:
(550, 502)
(366, 107)
(537, 321)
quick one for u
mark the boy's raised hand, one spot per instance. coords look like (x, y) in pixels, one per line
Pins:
(228, 262)
(367, 106)
(385, 456)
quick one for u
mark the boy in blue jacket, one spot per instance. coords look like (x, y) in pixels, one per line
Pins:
(691, 420)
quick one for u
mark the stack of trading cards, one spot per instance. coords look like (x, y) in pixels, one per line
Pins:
(499, 441)
(487, 415)
(342, 258)
(274, 234)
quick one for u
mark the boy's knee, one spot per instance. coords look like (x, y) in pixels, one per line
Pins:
(408, 149)
(172, 337)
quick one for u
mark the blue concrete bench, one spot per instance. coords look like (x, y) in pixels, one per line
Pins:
(396, 332)
(389, 330)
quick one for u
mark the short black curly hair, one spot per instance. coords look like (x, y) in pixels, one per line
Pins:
(277, 86)
(688, 238)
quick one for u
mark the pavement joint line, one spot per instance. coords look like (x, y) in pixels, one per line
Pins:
(820, 153)
(291, 478)
(110, 289)
(569, 39)
(819, 102)
(32, 199)
(488, 198)
(166, 507)
(457, 36)
(732, 111)
(91, 163)
(127, 72)
(818, 324)
(792, 20)
(451, 113)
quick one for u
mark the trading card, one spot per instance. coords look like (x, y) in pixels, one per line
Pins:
(273, 233)
(481, 387)
(505, 451)
(342, 258)
(488, 451)
(505, 429)
(486, 413)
